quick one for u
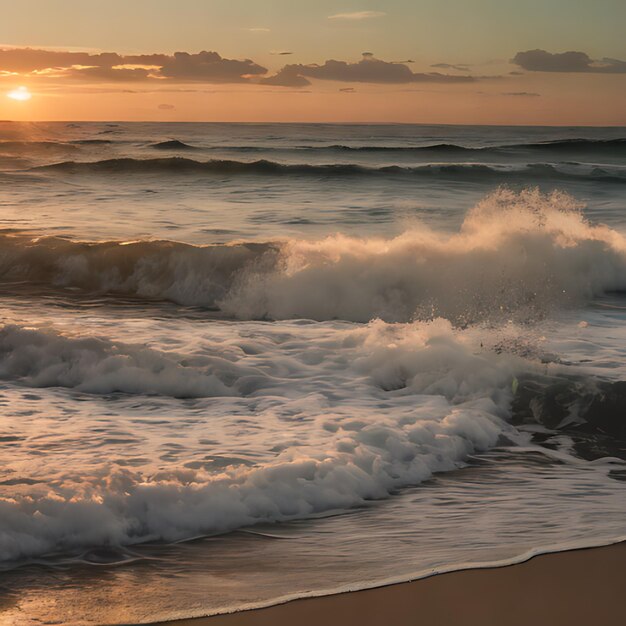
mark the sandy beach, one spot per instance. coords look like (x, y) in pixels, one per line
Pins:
(579, 587)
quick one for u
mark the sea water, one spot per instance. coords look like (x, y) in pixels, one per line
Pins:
(241, 363)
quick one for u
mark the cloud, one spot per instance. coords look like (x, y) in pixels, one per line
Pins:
(280, 52)
(37, 60)
(209, 67)
(450, 66)
(357, 15)
(204, 66)
(258, 30)
(368, 70)
(166, 107)
(543, 61)
(108, 74)
(348, 89)
(289, 76)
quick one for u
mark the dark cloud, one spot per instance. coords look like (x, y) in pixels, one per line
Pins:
(209, 67)
(450, 66)
(204, 66)
(368, 70)
(35, 60)
(348, 89)
(543, 61)
(108, 74)
(289, 76)
(281, 52)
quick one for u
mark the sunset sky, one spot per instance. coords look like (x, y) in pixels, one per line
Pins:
(429, 61)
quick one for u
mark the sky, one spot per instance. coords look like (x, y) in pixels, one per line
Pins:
(420, 61)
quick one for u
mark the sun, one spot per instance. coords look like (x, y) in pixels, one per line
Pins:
(21, 94)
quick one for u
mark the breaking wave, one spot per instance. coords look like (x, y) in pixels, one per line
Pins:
(39, 358)
(452, 397)
(517, 255)
(456, 404)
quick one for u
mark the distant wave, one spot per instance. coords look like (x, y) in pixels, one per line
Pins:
(616, 147)
(173, 144)
(468, 171)
(96, 142)
(590, 146)
(517, 256)
(613, 146)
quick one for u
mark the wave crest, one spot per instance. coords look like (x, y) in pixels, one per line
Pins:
(473, 172)
(517, 255)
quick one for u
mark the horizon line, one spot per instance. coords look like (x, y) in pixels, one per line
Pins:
(310, 123)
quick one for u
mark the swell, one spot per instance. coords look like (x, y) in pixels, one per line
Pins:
(615, 147)
(172, 144)
(469, 172)
(587, 146)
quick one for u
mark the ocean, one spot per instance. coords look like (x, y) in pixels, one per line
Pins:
(241, 363)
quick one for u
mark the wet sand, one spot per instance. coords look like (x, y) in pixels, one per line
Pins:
(575, 588)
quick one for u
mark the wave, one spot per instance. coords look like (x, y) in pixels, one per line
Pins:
(95, 142)
(609, 146)
(453, 396)
(604, 146)
(173, 144)
(577, 405)
(560, 401)
(356, 459)
(471, 172)
(517, 255)
(615, 147)
(37, 358)
(590, 147)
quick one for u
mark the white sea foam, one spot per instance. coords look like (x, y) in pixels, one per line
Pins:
(94, 365)
(371, 409)
(517, 255)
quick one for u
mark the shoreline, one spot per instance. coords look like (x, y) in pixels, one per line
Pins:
(571, 586)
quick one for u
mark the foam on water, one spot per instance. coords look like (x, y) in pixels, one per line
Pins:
(450, 401)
